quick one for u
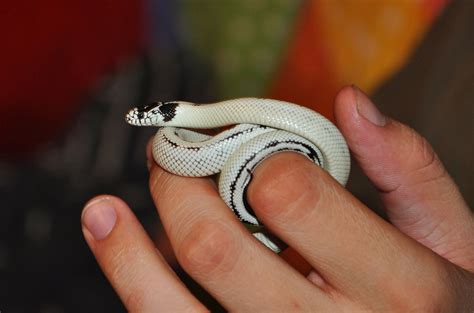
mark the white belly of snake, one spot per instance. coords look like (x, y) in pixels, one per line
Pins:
(262, 128)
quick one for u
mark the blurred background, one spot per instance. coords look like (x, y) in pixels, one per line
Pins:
(71, 69)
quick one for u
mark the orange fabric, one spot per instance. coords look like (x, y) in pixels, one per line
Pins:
(305, 76)
(340, 42)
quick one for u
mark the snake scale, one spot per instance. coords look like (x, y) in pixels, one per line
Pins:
(260, 128)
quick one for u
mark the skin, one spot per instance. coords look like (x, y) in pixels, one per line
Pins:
(422, 260)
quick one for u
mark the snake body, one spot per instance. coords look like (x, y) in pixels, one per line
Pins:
(262, 128)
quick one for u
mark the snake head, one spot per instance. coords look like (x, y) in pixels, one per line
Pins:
(152, 114)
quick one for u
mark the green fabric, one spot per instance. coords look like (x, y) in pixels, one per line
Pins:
(241, 41)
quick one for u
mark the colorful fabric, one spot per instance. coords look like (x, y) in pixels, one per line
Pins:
(304, 51)
(55, 52)
(350, 41)
(241, 40)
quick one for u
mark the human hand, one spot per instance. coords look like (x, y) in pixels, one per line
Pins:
(423, 261)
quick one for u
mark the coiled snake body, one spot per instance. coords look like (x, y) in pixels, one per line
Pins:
(262, 128)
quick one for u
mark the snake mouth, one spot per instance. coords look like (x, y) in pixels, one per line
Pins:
(133, 118)
(137, 118)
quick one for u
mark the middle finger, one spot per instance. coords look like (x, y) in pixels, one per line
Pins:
(354, 250)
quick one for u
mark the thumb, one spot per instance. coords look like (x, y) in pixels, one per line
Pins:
(420, 197)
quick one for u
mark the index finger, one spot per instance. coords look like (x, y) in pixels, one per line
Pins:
(129, 259)
(221, 255)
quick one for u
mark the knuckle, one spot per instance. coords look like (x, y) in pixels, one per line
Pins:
(166, 189)
(118, 262)
(160, 181)
(126, 278)
(287, 190)
(134, 300)
(421, 154)
(170, 190)
(209, 247)
(421, 151)
(425, 163)
(428, 299)
(429, 291)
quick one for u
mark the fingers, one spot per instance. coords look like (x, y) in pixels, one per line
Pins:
(420, 197)
(354, 250)
(219, 253)
(144, 282)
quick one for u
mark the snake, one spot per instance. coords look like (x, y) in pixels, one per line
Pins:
(254, 129)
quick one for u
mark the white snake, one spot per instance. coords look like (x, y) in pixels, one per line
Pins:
(262, 128)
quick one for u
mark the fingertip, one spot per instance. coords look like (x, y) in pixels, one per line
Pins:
(93, 201)
(99, 217)
(363, 126)
(346, 95)
(354, 110)
(268, 175)
(355, 129)
(345, 105)
(115, 201)
(89, 238)
(279, 183)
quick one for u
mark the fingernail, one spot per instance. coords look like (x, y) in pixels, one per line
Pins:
(367, 109)
(316, 279)
(99, 218)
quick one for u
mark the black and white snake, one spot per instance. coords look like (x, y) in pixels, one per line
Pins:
(262, 128)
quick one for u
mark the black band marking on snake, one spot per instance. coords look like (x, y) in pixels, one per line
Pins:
(313, 155)
(225, 152)
(234, 135)
(168, 110)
